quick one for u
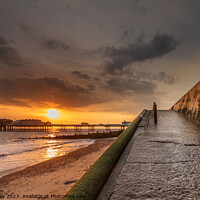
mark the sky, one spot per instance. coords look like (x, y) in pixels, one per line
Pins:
(96, 60)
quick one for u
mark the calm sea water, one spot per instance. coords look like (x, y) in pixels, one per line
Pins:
(16, 153)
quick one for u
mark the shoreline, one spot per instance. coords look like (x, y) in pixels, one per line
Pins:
(55, 176)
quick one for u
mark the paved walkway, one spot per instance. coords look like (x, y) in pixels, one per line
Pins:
(160, 162)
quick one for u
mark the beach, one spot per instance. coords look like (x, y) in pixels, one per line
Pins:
(51, 179)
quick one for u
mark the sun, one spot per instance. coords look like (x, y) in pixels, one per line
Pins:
(52, 113)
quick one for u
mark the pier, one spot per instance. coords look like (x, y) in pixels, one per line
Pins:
(63, 127)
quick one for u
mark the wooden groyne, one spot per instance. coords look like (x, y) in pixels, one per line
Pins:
(81, 136)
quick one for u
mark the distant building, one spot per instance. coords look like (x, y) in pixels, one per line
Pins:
(125, 123)
(29, 122)
(84, 123)
(4, 122)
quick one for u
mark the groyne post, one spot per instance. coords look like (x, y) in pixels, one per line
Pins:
(155, 112)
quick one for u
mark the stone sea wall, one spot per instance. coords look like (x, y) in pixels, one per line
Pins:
(189, 104)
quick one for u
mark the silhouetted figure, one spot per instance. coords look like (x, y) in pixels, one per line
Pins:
(155, 112)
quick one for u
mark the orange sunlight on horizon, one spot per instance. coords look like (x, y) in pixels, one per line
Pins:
(64, 115)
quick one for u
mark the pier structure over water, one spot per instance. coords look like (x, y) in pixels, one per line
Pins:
(63, 127)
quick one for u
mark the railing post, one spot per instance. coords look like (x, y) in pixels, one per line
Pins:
(155, 112)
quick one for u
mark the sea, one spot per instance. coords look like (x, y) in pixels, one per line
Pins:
(17, 153)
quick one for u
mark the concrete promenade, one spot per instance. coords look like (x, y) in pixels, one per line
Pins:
(160, 162)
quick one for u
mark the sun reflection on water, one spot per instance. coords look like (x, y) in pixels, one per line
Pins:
(53, 152)
(52, 135)
(52, 141)
(55, 149)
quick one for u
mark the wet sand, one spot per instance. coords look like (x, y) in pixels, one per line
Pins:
(53, 178)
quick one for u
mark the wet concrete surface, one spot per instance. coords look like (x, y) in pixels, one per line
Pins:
(161, 161)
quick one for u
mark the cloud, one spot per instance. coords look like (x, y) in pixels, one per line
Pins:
(10, 56)
(44, 91)
(3, 41)
(50, 44)
(150, 76)
(24, 27)
(96, 78)
(53, 44)
(127, 34)
(137, 8)
(81, 75)
(123, 85)
(91, 87)
(163, 77)
(122, 57)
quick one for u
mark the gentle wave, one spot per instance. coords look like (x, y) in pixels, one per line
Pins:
(34, 149)
(17, 153)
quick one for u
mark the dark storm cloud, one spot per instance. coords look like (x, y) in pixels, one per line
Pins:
(54, 44)
(122, 57)
(121, 85)
(81, 75)
(45, 90)
(10, 56)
